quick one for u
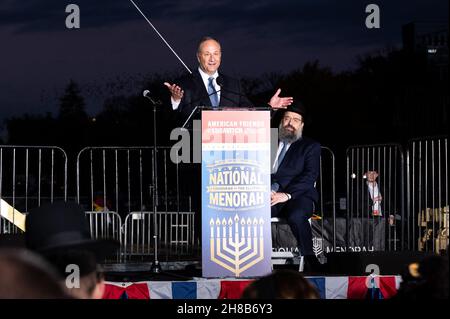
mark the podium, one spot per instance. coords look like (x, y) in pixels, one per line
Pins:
(236, 228)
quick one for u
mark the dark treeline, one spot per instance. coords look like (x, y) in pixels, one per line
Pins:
(391, 96)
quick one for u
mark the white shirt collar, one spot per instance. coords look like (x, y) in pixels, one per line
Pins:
(205, 76)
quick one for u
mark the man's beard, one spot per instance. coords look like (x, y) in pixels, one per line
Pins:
(289, 136)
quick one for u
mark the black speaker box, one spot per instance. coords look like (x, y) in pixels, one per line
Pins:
(363, 263)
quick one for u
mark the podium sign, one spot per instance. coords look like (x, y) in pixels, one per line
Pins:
(236, 230)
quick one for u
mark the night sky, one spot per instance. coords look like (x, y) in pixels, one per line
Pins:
(39, 54)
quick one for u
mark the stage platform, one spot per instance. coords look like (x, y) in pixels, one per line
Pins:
(345, 276)
(329, 287)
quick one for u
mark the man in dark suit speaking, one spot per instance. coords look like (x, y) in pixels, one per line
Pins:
(208, 87)
(294, 173)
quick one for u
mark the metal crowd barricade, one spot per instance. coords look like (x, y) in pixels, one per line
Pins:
(29, 177)
(106, 225)
(175, 232)
(375, 209)
(428, 196)
(121, 179)
(325, 212)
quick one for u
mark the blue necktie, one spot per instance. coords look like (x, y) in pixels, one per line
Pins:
(212, 93)
(281, 156)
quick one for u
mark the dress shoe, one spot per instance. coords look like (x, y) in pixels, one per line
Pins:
(313, 266)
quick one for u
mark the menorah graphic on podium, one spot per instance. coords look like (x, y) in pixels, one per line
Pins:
(238, 244)
(235, 211)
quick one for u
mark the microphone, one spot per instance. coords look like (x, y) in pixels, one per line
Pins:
(147, 94)
(223, 87)
(196, 107)
(219, 81)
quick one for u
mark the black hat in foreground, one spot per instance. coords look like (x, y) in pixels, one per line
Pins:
(62, 226)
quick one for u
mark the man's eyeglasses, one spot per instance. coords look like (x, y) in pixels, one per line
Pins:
(292, 119)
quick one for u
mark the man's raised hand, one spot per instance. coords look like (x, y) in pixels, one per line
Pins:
(277, 102)
(175, 91)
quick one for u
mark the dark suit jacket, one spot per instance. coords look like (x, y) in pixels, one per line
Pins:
(195, 94)
(299, 169)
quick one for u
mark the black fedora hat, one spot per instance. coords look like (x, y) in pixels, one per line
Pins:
(62, 226)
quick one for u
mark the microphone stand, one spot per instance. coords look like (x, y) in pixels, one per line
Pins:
(155, 268)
